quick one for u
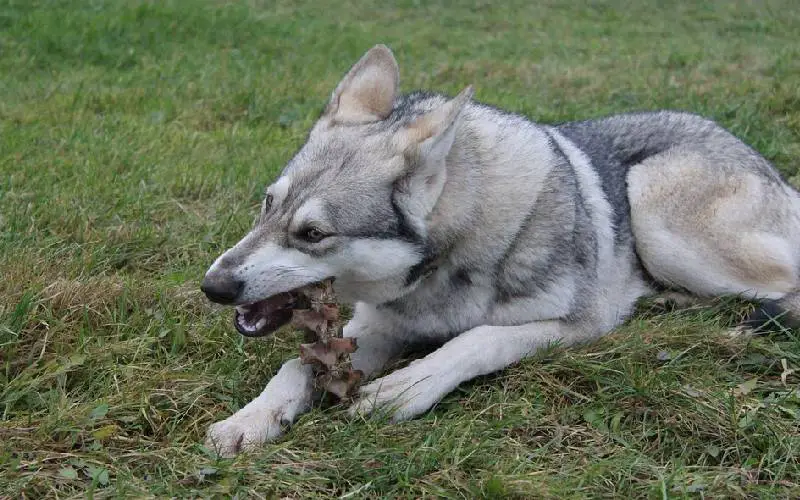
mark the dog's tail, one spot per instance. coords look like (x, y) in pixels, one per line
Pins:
(775, 315)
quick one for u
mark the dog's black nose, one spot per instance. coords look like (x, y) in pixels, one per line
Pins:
(221, 288)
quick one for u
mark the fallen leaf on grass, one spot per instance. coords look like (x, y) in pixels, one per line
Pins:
(745, 388)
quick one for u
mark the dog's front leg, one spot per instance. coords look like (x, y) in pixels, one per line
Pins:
(378, 339)
(412, 390)
(287, 395)
(290, 392)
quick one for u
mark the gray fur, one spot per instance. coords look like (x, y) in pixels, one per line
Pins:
(455, 223)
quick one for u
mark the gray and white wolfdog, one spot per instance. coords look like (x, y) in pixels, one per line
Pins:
(449, 222)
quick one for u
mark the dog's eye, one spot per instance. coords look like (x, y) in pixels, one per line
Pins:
(312, 235)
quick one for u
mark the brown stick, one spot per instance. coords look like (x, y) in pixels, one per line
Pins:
(327, 351)
(343, 387)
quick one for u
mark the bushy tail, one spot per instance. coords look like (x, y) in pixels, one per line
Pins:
(775, 315)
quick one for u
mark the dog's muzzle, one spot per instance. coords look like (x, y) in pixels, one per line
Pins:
(221, 288)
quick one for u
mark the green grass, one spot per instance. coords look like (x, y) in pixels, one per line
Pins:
(135, 141)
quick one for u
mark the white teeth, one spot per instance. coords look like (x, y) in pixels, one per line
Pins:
(249, 327)
(246, 325)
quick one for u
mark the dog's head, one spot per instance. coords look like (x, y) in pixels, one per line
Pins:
(352, 205)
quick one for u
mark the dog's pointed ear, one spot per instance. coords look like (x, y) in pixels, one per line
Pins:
(426, 142)
(433, 133)
(368, 90)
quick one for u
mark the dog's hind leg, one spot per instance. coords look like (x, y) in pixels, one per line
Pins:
(715, 230)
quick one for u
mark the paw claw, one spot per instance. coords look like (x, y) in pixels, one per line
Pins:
(235, 435)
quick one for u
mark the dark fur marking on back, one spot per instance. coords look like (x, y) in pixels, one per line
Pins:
(610, 168)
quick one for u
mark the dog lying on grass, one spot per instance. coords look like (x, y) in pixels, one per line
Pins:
(450, 222)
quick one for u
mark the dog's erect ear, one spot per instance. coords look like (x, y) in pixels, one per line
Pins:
(367, 92)
(432, 134)
(427, 142)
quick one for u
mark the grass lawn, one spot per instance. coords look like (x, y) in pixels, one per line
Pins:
(135, 141)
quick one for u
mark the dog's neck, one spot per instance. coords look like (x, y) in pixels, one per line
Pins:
(458, 205)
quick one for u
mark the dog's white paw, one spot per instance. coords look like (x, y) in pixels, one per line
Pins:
(403, 394)
(237, 434)
(265, 418)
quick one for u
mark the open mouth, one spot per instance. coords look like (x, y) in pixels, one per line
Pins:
(263, 317)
